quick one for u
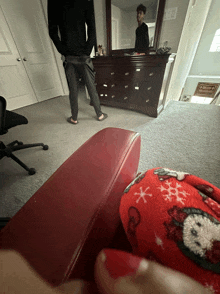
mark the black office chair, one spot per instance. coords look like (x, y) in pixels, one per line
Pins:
(10, 119)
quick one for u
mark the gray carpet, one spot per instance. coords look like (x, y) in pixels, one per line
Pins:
(47, 124)
(185, 137)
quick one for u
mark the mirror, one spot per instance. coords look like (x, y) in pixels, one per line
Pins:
(121, 20)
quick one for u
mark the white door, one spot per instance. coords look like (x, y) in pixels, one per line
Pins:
(27, 23)
(15, 86)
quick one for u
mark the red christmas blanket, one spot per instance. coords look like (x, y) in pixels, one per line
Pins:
(174, 218)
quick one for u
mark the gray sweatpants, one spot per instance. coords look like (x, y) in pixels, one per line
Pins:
(76, 67)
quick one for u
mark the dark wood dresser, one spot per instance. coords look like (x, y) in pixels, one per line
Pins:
(131, 82)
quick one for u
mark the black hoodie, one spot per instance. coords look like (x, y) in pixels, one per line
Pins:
(69, 18)
(142, 38)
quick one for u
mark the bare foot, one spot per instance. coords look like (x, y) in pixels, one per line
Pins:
(74, 121)
(102, 117)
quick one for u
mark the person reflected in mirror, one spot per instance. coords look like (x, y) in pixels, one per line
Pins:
(66, 22)
(142, 36)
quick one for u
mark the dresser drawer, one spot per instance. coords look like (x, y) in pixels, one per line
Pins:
(104, 74)
(116, 85)
(119, 94)
(130, 75)
(147, 74)
(146, 95)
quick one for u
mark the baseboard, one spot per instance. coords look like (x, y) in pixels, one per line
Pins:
(160, 109)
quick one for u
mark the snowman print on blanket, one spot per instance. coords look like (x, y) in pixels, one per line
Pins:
(197, 234)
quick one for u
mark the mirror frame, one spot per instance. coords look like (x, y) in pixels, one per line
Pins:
(159, 21)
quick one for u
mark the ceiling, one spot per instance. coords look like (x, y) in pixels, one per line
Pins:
(131, 5)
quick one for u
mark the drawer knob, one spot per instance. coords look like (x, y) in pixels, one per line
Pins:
(127, 73)
(138, 69)
(101, 95)
(113, 96)
(136, 88)
(126, 86)
(151, 74)
(112, 85)
(125, 98)
(112, 73)
(106, 94)
(149, 88)
(147, 100)
(105, 85)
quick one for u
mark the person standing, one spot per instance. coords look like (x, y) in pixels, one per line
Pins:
(142, 36)
(69, 18)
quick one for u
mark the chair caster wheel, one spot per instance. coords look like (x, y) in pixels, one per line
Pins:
(45, 147)
(32, 171)
(20, 143)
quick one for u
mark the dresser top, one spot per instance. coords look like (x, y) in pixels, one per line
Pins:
(152, 59)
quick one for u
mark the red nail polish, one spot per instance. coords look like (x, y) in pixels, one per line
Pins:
(121, 264)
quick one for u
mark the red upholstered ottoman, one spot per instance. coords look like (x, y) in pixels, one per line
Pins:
(75, 214)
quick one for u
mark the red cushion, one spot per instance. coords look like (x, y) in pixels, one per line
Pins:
(75, 214)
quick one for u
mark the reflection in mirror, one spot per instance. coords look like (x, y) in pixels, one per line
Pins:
(124, 22)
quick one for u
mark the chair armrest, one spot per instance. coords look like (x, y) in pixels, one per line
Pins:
(75, 214)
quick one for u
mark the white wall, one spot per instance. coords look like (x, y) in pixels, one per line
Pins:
(205, 66)
(205, 62)
(126, 32)
(193, 27)
(172, 29)
(100, 20)
(127, 25)
(117, 15)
